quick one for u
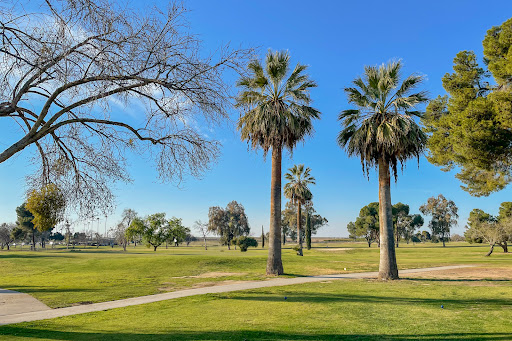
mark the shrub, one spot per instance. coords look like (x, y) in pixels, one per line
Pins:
(244, 242)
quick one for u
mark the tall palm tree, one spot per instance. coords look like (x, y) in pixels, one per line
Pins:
(297, 190)
(275, 101)
(382, 132)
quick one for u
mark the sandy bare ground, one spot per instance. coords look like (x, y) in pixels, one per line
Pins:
(481, 276)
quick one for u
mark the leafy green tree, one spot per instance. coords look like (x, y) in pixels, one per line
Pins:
(18, 234)
(409, 224)
(57, 236)
(297, 190)
(505, 218)
(471, 128)
(47, 206)
(425, 235)
(176, 232)
(444, 216)
(245, 242)
(505, 210)
(228, 223)
(24, 221)
(366, 224)
(382, 132)
(152, 229)
(277, 114)
(352, 232)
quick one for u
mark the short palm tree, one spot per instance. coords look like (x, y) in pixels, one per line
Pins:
(275, 101)
(382, 132)
(297, 190)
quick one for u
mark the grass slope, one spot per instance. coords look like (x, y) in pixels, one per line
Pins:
(409, 309)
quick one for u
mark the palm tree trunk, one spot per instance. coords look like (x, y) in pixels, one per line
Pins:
(387, 267)
(299, 223)
(308, 232)
(274, 262)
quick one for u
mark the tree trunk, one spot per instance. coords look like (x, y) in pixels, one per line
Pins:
(387, 268)
(205, 247)
(444, 245)
(490, 251)
(155, 248)
(504, 246)
(397, 237)
(262, 238)
(274, 262)
(34, 240)
(308, 232)
(299, 227)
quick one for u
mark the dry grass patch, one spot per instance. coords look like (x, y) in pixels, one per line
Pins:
(199, 285)
(215, 275)
(478, 276)
(334, 249)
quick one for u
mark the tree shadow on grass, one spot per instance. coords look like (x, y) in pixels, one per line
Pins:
(36, 254)
(310, 297)
(17, 331)
(27, 289)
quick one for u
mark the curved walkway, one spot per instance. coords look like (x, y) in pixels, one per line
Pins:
(17, 317)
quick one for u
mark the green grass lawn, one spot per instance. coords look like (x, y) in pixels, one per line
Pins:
(59, 277)
(409, 309)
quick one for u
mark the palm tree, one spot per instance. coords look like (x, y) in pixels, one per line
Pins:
(383, 133)
(277, 114)
(298, 192)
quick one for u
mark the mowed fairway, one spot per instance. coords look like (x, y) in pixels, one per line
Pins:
(62, 278)
(477, 301)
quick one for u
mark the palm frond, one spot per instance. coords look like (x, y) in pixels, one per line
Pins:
(382, 126)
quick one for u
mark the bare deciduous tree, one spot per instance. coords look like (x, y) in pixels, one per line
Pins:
(203, 228)
(65, 68)
(6, 235)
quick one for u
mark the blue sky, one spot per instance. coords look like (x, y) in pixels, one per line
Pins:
(336, 38)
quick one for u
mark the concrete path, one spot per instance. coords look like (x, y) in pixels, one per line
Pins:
(17, 317)
(13, 302)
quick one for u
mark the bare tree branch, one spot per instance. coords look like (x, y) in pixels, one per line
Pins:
(64, 69)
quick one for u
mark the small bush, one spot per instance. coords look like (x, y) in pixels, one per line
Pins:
(244, 242)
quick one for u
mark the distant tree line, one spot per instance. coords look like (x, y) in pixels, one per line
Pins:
(443, 214)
